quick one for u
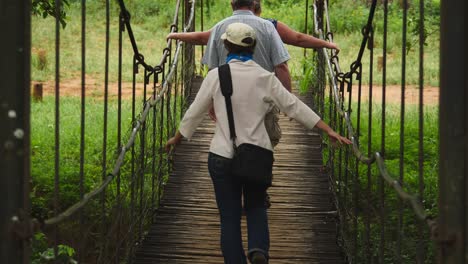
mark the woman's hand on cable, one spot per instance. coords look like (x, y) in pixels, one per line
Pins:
(335, 138)
(335, 47)
(173, 141)
(338, 140)
(172, 36)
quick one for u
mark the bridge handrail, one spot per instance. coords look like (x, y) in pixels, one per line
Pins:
(376, 157)
(37, 224)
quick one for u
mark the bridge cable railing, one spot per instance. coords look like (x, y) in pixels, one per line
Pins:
(138, 180)
(340, 114)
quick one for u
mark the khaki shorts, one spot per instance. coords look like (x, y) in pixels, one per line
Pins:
(272, 126)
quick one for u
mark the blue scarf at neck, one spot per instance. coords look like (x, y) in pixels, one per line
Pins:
(242, 57)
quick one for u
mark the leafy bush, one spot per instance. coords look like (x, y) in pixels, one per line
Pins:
(42, 254)
(47, 8)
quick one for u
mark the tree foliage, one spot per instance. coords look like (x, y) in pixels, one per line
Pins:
(47, 8)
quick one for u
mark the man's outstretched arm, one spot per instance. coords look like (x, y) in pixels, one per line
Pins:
(196, 38)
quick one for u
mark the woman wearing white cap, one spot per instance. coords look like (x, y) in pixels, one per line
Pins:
(253, 90)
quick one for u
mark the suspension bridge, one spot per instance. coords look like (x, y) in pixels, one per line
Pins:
(328, 205)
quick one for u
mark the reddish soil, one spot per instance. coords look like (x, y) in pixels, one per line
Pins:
(95, 89)
(393, 94)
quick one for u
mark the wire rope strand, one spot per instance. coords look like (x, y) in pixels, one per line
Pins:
(202, 15)
(119, 133)
(369, 146)
(83, 120)
(58, 6)
(402, 130)
(153, 147)
(142, 160)
(421, 252)
(382, 147)
(133, 152)
(105, 128)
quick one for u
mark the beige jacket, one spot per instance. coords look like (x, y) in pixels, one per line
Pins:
(255, 90)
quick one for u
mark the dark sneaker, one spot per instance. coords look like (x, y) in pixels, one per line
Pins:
(258, 258)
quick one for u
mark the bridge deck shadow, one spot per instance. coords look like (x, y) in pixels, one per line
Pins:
(302, 223)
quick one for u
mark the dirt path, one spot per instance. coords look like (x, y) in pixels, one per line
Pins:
(95, 88)
(393, 94)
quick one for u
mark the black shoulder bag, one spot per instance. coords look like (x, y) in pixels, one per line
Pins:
(252, 164)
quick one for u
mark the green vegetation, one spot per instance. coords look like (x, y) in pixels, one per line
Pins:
(367, 200)
(45, 8)
(117, 206)
(149, 17)
(151, 21)
(348, 20)
(43, 151)
(42, 253)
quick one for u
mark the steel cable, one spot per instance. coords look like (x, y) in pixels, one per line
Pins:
(376, 156)
(149, 104)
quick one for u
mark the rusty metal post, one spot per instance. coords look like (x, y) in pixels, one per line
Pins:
(14, 129)
(38, 92)
(453, 177)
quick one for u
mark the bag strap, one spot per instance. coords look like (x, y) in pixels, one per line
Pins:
(225, 81)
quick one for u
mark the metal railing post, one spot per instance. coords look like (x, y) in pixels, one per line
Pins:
(14, 131)
(453, 177)
(189, 53)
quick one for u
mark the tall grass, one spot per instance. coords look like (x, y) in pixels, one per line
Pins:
(43, 148)
(347, 21)
(411, 141)
(368, 199)
(113, 210)
(151, 21)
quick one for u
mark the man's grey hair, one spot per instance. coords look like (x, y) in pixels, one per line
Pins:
(242, 3)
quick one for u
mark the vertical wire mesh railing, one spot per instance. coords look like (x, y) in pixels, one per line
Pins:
(379, 223)
(112, 214)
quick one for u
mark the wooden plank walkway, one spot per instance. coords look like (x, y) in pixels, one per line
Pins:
(302, 222)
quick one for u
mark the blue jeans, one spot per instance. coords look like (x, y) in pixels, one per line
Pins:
(228, 193)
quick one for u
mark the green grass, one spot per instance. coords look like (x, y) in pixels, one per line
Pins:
(151, 21)
(349, 52)
(149, 33)
(411, 152)
(410, 179)
(43, 173)
(347, 22)
(43, 148)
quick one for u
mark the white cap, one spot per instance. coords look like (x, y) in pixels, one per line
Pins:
(240, 34)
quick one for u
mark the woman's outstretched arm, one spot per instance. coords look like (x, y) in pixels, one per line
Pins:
(173, 141)
(334, 137)
(196, 38)
(292, 37)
